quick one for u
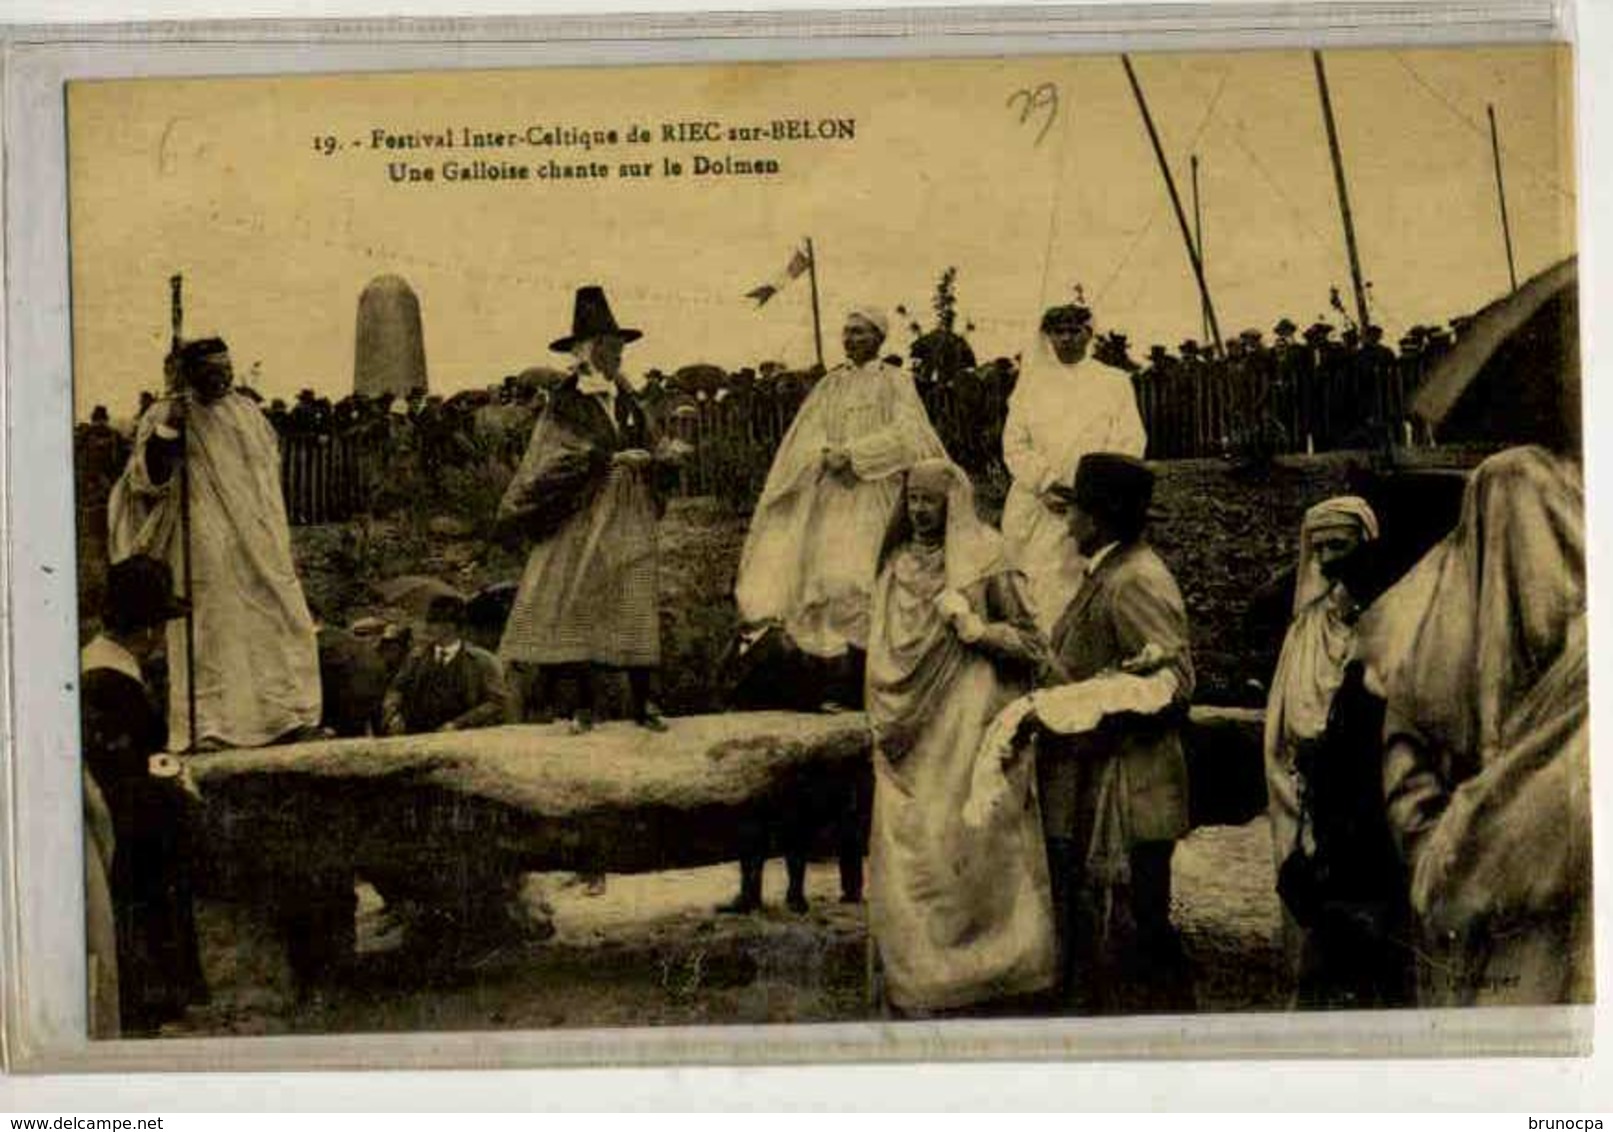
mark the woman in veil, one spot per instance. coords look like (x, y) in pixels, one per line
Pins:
(961, 914)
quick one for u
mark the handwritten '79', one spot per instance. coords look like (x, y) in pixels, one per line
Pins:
(1042, 100)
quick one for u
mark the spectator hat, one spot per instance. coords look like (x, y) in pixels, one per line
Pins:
(1115, 486)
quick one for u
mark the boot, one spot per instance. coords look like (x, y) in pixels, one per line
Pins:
(750, 889)
(795, 899)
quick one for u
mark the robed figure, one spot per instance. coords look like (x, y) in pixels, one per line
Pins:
(1481, 655)
(1318, 645)
(257, 656)
(813, 547)
(1064, 405)
(961, 913)
(588, 493)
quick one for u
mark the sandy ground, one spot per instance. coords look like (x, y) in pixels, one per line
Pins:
(651, 951)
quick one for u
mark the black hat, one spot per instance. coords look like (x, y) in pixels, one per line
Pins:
(446, 607)
(199, 348)
(1115, 486)
(590, 318)
(140, 593)
(1066, 314)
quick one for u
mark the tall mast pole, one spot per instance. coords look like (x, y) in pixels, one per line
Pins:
(1198, 235)
(1176, 204)
(1501, 194)
(1344, 193)
(817, 321)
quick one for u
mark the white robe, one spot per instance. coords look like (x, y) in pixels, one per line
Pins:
(812, 551)
(257, 660)
(1058, 414)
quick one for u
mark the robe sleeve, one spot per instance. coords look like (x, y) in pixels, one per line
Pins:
(155, 454)
(1011, 633)
(1024, 462)
(799, 457)
(1147, 609)
(1413, 792)
(907, 439)
(558, 474)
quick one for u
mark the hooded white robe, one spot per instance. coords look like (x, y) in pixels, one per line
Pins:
(813, 548)
(257, 658)
(1057, 414)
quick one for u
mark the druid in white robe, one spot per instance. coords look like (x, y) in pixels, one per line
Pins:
(813, 548)
(1057, 414)
(257, 659)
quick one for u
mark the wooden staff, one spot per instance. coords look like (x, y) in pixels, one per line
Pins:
(176, 311)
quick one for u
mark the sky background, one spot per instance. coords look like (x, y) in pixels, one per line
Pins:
(220, 180)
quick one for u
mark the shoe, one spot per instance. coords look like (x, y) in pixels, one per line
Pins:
(650, 719)
(833, 707)
(851, 898)
(797, 903)
(595, 886)
(582, 723)
(741, 905)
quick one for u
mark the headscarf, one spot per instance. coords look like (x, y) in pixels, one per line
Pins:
(913, 658)
(873, 316)
(1310, 583)
(974, 550)
(1459, 642)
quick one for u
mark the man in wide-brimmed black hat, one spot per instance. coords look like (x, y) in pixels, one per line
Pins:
(588, 493)
(158, 967)
(1128, 779)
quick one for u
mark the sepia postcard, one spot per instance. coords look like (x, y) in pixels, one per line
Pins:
(1081, 549)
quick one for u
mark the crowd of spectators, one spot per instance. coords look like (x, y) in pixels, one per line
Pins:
(1308, 390)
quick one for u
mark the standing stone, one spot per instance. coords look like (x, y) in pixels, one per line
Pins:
(389, 354)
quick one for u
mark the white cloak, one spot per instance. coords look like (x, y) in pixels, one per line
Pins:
(257, 660)
(812, 552)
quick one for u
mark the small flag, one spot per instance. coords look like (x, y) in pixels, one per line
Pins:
(799, 262)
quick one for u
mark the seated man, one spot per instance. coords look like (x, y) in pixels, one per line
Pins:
(448, 684)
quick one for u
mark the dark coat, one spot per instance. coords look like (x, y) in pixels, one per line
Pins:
(1129, 602)
(468, 691)
(159, 964)
(569, 484)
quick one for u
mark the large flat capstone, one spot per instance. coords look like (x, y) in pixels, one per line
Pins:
(618, 799)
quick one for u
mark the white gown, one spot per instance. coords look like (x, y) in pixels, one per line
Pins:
(1058, 414)
(257, 658)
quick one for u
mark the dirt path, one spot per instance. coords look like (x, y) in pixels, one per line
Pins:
(651, 951)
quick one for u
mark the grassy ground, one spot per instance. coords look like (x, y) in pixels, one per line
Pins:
(650, 951)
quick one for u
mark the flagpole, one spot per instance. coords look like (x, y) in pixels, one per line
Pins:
(1362, 314)
(1208, 307)
(817, 321)
(1501, 195)
(1198, 238)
